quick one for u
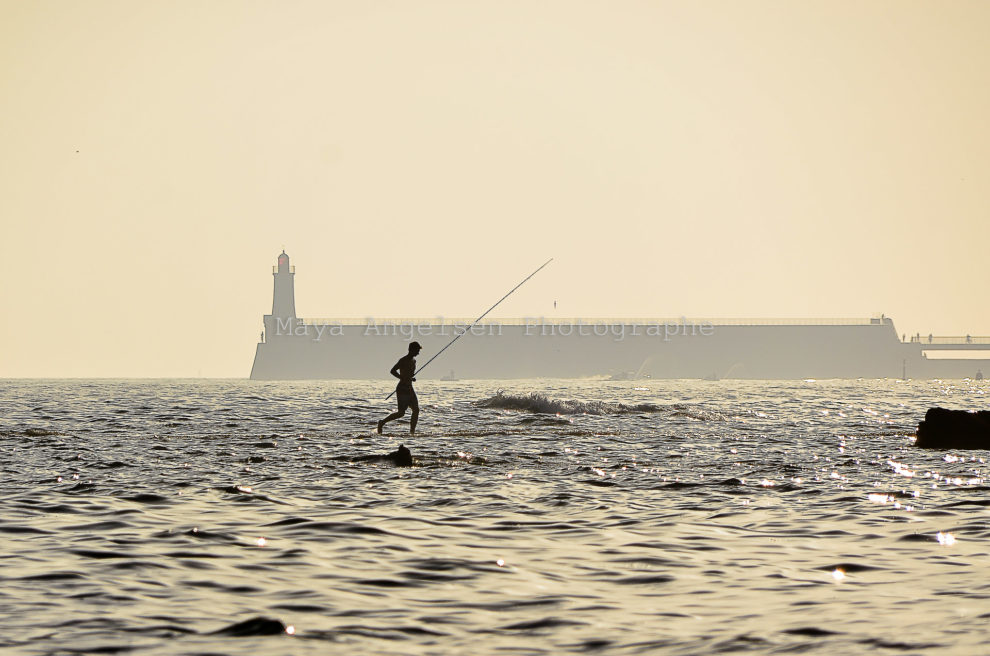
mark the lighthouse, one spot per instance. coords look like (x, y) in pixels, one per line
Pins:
(281, 322)
(279, 326)
(284, 298)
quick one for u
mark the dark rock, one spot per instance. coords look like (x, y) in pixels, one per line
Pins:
(954, 429)
(256, 626)
(401, 457)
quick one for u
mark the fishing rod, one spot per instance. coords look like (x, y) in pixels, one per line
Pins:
(461, 334)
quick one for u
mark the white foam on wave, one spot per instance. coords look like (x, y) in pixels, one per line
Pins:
(540, 403)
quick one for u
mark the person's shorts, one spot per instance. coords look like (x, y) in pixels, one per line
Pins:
(406, 397)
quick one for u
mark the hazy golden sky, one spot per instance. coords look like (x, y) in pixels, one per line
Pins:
(713, 159)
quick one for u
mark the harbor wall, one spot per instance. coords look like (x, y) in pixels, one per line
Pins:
(297, 350)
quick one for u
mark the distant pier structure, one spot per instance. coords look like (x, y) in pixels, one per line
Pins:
(293, 347)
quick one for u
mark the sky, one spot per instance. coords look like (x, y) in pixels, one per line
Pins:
(711, 159)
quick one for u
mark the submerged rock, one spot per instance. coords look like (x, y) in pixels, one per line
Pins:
(954, 429)
(401, 457)
(256, 626)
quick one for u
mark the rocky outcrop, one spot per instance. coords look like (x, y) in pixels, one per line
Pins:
(954, 429)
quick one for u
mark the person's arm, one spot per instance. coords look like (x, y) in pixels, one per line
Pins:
(395, 370)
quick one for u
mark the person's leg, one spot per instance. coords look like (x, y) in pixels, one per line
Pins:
(414, 404)
(395, 415)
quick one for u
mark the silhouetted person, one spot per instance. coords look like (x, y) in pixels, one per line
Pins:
(929, 338)
(405, 395)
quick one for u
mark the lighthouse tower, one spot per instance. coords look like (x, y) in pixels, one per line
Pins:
(280, 325)
(284, 298)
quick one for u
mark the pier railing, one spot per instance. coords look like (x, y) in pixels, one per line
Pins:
(942, 340)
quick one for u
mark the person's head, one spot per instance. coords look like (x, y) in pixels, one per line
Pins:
(415, 348)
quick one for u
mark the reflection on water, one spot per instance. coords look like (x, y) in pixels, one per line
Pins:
(176, 517)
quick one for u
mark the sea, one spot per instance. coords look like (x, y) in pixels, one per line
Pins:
(165, 517)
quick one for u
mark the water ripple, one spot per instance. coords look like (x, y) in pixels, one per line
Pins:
(682, 517)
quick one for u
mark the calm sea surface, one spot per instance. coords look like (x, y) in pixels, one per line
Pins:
(680, 517)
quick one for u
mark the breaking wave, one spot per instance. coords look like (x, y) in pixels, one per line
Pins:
(540, 403)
